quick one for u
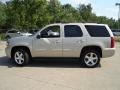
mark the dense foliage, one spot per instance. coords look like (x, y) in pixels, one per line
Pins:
(33, 14)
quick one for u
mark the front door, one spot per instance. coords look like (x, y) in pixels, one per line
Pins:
(49, 44)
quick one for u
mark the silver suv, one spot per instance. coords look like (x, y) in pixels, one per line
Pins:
(87, 41)
(15, 33)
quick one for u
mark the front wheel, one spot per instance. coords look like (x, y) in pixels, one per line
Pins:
(21, 57)
(90, 58)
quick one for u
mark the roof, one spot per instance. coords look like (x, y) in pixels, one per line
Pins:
(78, 24)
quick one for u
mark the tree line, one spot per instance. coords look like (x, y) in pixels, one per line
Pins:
(34, 14)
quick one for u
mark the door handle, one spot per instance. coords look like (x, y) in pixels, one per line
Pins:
(57, 42)
(80, 41)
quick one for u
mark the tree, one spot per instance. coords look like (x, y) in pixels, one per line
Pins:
(85, 11)
(2, 15)
(27, 14)
(55, 10)
(70, 14)
(33, 14)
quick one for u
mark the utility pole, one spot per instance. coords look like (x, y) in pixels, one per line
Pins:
(118, 4)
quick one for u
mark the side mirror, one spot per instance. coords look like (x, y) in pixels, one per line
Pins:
(54, 34)
(38, 36)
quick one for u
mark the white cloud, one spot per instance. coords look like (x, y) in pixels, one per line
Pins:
(75, 3)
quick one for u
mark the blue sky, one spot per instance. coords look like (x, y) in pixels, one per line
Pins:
(100, 7)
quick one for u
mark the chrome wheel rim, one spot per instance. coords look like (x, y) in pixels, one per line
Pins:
(19, 57)
(91, 59)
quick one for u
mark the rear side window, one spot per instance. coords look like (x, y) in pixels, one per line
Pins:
(97, 31)
(72, 31)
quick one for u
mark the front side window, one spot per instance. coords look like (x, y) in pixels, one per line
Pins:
(72, 31)
(51, 32)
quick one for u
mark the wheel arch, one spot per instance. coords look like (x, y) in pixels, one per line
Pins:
(92, 47)
(20, 47)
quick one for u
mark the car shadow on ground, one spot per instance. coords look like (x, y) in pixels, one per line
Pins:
(46, 62)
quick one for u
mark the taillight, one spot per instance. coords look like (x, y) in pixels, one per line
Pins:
(112, 42)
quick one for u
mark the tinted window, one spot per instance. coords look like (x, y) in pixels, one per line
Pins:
(97, 31)
(13, 31)
(51, 32)
(72, 31)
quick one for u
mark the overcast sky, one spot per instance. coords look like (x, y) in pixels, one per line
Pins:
(100, 7)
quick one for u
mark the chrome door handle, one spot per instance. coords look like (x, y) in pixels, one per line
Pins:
(80, 41)
(57, 42)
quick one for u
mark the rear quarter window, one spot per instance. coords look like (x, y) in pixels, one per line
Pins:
(97, 31)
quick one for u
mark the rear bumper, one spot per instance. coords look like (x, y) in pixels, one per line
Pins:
(109, 52)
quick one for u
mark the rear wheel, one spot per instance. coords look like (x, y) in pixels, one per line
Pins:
(21, 57)
(90, 58)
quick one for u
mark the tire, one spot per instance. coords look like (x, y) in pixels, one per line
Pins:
(90, 58)
(21, 57)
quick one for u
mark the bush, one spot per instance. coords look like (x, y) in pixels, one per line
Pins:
(2, 36)
(117, 38)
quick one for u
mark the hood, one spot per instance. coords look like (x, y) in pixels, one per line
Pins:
(26, 34)
(20, 40)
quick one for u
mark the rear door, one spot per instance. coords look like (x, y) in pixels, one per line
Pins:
(72, 40)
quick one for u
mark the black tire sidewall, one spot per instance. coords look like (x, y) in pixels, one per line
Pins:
(83, 56)
(26, 57)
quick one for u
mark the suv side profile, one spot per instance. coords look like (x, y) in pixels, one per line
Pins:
(88, 41)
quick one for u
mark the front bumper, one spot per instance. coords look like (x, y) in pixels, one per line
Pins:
(8, 52)
(109, 52)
